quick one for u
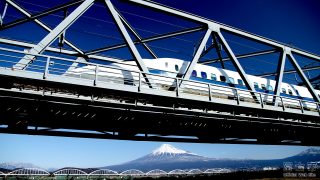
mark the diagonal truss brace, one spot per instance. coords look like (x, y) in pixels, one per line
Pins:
(235, 62)
(41, 24)
(150, 39)
(74, 65)
(196, 57)
(218, 50)
(135, 33)
(134, 51)
(280, 70)
(57, 50)
(192, 64)
(46, 41)
(3, 14)
(259, 53)
(38, 15)
(303, 77)
(289, 71)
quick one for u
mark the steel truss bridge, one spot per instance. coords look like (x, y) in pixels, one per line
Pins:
(32, 172)
(39, 98)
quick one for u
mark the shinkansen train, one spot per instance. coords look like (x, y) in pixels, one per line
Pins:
(224, 82)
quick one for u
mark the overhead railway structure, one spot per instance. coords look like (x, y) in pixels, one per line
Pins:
(65, 90)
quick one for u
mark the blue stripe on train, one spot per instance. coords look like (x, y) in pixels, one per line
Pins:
(156, 71)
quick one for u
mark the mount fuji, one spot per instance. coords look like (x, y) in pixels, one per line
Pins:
(168, 158)
(167, 153)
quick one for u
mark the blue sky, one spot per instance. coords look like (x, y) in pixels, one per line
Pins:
(290, 21)
(48, 152)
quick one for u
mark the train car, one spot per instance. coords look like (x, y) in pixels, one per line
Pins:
(225, 83)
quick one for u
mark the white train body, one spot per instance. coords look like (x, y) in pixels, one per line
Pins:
(224, 82)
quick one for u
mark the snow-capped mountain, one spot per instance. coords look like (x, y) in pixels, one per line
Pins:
(167, 153)
(12, 165)
(311, 151)
(309, 155)
(168, 149)
(167, 158)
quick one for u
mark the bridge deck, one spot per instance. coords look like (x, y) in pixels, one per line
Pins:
(43, 99)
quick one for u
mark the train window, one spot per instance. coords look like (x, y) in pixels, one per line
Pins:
(256, 85)
(194, 73)
(213, 77)
(176, 67)
(240, 82)
(204, 75)
(284, 90)
(231, 80)
(263, 86)
(166, 64)
(270, 88)
(223, 78)
(290, 91)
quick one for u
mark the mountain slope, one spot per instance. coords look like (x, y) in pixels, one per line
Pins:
(167, 153)
(309, 155)
(165, 157)
(169, 158)
(12, 166)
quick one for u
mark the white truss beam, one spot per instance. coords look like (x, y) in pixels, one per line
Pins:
(218, 50)
(46, 41)
(135, 33)
(303, 77)
(38, 15)
(41, 24)
(134, 51)
(154, 38)
(3, 14)
(57, 50)
(281, 65)
(290, 71)
(235, 62)
(241, 56)
(224, 27)
(197, 55)
(76, 63)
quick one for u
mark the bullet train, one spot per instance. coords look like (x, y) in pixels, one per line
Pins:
(223, 82)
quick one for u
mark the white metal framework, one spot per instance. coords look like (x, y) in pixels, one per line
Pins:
(71, 172)
(156, 172)
(105, 172)
(217, 170)
(29, 172)
(195, 171)
(122, 24)
(177, 172)
(133, 172)
(111, 173)
(115, 71)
